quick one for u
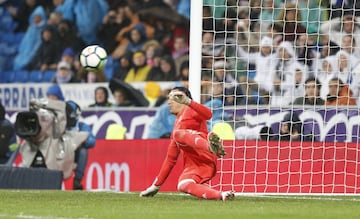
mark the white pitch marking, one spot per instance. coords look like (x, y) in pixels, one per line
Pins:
(22, 215)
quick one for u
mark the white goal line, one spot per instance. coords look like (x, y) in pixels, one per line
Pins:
(304, 196)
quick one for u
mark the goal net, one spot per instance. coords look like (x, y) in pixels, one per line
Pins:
(282, 79)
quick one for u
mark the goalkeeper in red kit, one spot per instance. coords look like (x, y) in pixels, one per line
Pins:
(200, 149)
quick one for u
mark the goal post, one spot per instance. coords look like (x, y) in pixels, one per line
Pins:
(195, 49)
(288, 75)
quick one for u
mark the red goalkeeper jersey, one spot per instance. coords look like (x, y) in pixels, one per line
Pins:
(196, 161)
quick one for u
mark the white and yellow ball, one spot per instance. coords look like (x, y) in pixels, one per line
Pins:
(93, 58)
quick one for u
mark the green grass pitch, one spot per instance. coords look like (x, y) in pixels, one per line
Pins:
(77, 204)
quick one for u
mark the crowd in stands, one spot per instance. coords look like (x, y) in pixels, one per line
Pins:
(262, 51)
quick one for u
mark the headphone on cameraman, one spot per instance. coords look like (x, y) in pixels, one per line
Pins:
(73, 112)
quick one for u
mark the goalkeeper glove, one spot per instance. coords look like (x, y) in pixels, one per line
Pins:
(179, 97)
(150, 192)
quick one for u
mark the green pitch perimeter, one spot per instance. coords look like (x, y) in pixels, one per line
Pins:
(73, 204)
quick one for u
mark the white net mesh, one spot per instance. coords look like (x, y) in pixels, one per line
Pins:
(282, 78)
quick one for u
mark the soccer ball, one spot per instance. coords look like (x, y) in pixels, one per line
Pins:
(93, 58)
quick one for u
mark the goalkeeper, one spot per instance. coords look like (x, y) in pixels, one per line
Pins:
(200, 149)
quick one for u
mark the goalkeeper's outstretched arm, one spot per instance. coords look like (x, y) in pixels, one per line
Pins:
(167, 166)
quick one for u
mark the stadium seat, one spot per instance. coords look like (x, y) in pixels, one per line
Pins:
(48, 75)
(35, 76)
(115, 132)
(21, 76)
(8, 76)
(8, 38)
(224, 130)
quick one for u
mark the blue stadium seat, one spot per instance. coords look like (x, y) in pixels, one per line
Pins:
(8, 76)
(35, 76)
(48, 75)
(21, 76)
(9, 62)
(8, 38)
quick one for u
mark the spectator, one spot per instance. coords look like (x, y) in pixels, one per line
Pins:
(22, 14)
(181, 50)
(339, 94)
(348, 44)
(291, 129)
(269, 14)
(73, 112)
(121, 99)
(31, 40)
(137, 38)
(338, 27)
(184, 71)
(92, 76)
(312, 94)
(326, 73)
(222, 73)
(64, 74)
(48, 53)
(150, 48)
(312, 15)
(54, 20)
(247, 37)
(101, 98)
(339, 8)
(130, 12)
(84, 10)
(112, 23)
(68, 55)
(7, 137)
(297, 90)
(166, 71)
(54, 93)
(68, 36)
(344, 67)
(290, 19)
(124, 67)
(162, 123)
(304, 47)
(208, 19)
(140, 70)
(225, 26)
(216, 104)
(264, 61)
(285, 71)
(327, 47)
(266, 134)
(65, 8)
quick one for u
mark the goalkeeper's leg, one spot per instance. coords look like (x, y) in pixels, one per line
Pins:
(202, 191)
(193, 139)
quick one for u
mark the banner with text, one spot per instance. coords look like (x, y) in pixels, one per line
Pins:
(249, 166)
(331, 125)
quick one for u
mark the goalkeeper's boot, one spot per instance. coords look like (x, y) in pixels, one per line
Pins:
(229, 195)
(215, 145)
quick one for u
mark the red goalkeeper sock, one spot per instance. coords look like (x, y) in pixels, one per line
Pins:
(200, 190)
(187, 137)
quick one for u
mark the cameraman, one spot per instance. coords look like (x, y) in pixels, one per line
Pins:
(73, 112)
(7, 137)
(47, 143)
